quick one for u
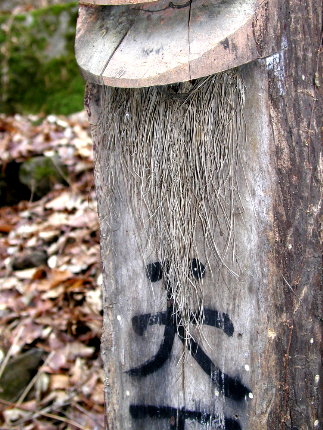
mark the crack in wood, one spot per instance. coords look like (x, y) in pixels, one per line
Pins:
(114, 51)
(189, 39)
(170, 5)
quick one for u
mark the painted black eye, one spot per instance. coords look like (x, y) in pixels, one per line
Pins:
(198, 269)
(154, 271)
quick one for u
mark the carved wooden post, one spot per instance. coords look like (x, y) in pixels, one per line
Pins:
(204, 117)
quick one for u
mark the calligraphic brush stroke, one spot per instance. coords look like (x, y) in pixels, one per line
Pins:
(212, 318)
(231, 387)
(219, 320)
(161, 356)
(141, 322)
(181, 415)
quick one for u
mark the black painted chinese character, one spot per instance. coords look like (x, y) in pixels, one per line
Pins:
(231, 387)
(177, 417)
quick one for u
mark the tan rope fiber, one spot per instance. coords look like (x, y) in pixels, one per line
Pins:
(175, 149)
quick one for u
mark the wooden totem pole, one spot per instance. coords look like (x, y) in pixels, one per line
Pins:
(204, 117)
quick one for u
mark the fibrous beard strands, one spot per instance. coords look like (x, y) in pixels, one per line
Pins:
(175, 150)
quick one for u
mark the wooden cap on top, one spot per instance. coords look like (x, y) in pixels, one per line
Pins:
(113, 2)
(157, 43)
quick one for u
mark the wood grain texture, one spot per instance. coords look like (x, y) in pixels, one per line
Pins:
(275, 304)
(163, 42)
(248, 300)
(295, 106)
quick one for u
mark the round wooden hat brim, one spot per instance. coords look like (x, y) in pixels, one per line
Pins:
(113, 2)
(158, 43)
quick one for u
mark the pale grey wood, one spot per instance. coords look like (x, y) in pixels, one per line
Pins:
(248, 300)
(162, 43)
(95, 42)
(165, 48)
(274, 305)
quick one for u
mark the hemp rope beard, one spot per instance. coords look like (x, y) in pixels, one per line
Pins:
(176, 149)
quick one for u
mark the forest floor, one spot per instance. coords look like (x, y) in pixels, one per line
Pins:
(51, 374)
(25, 5)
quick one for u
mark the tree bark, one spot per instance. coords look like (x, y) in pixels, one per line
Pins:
(295, 112)
(261, 329)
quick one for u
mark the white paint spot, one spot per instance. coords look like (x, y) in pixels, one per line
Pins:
(289, 246)
(271, 333)
(216, 393)
(119, 317)
(303, 77)
(128, 393)
(317, 379)
(284, 43)
(250, 396)
(311, 340)
(275, 63)
(316, 423)
(247, 367)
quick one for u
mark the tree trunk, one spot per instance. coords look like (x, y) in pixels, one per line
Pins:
(223, 331)
(295, 112)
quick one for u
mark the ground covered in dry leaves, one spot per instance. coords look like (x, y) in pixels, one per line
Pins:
(51, 373)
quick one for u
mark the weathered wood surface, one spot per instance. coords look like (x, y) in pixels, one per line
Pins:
(166, 42)
(274, 305)
(157, 399)
(295, 108)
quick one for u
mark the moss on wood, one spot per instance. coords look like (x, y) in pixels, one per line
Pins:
(38, 69)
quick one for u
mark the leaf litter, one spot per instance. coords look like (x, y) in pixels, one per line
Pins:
(50, 283)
